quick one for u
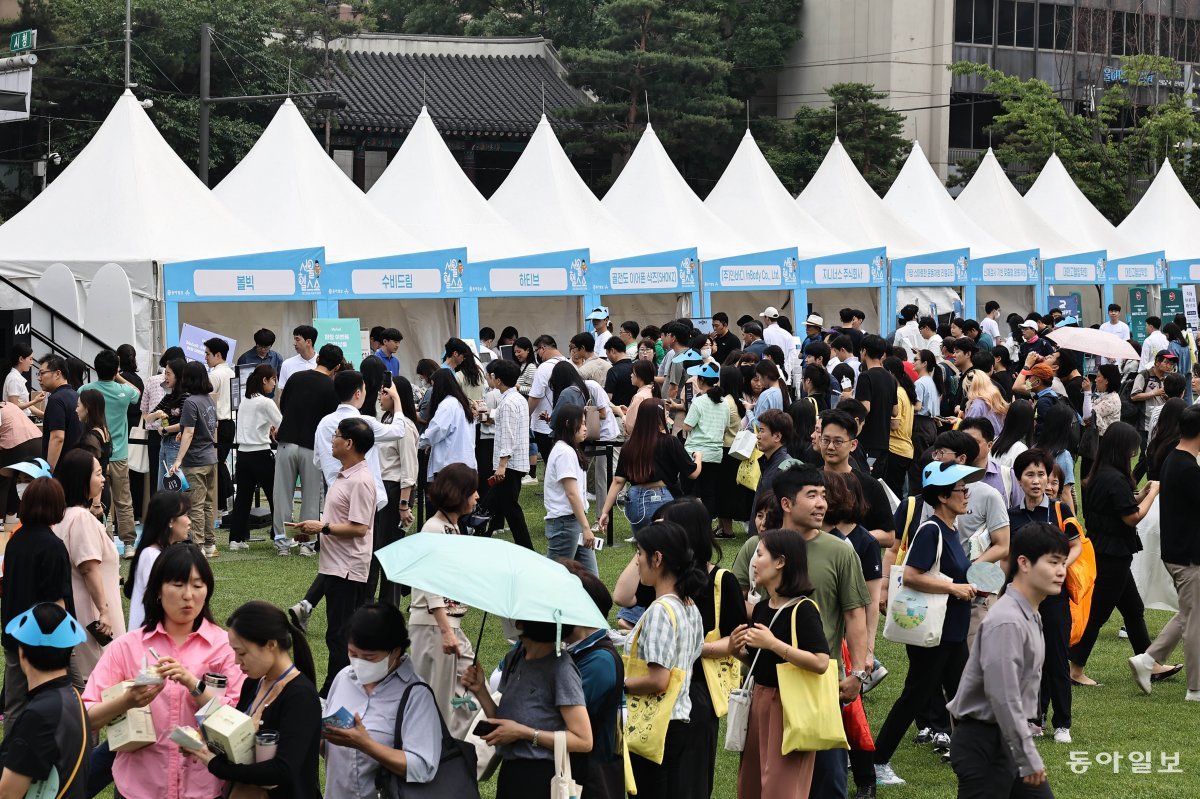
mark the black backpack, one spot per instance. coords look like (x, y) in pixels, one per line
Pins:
(1132, 412)
(1075, 435)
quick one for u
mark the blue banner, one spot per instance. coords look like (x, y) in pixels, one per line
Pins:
(858, 269)
(947, 268)
(423, 275)
(1015, 268)
(1080, 268)
(282, 275)
(1184, 271)
(1146, 268)
(772, 269)
(540, 275)
(674, 271)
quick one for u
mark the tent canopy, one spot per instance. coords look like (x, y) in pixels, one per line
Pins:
(288, 187)
(993, 202)
(653, 200)
(919, 200)
(752, 200)
(545, 199)
(127, 197)
(838, 197)
(1054, 196)
(425, 192)
(1165, 218)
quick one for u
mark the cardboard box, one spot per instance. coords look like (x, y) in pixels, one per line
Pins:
(132, 731)
(231, 731)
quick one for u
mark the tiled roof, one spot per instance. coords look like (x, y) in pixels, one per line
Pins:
(465, 94)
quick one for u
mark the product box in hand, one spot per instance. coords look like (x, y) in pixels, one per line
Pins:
(132, 731)
(188, 738)
(343, 719)
(232, 732)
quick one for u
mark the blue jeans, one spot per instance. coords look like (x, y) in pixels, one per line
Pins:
(562, 541)
(167, 452)
(643, 503)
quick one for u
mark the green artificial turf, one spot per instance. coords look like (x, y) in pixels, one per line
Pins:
(1113, 718)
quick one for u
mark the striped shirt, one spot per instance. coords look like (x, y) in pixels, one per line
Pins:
(673, 643)
(512, 431)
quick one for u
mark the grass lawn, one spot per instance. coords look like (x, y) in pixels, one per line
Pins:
(1113, 718)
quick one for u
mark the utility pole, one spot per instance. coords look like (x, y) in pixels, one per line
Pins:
(128, 40)
(205, 80)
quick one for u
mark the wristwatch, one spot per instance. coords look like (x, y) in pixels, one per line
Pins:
(199, 690)
(325, 530)
(862, 676)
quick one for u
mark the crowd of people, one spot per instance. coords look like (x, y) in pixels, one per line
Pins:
(975, 488)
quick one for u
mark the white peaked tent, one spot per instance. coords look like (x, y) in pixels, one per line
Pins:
(919, 199)
(839, 198)
(425, 192)
(1167, 217)
(127, 199)
(750, 198)
(1055, 197)
(653, 200)
(544, 198)
(288, 187)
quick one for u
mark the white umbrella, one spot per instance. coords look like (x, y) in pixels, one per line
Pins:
(1093, 342)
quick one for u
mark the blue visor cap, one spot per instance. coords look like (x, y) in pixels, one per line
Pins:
(948, 474)
(25, 628)
(708, 371)
(1066, 321)
(688, 356)
(35, 468)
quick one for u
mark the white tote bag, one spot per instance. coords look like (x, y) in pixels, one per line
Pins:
(743, 444)
(562, 786)
(915, 617)
(738, 719)
(139, 450)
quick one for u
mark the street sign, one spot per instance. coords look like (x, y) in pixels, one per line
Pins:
(23, 40)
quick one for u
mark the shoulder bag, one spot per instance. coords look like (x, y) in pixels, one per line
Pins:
(648, 715)
(739, 698)
(455, 777)
(915, 617)
(723, 674)
(812, 710)
(562, 786)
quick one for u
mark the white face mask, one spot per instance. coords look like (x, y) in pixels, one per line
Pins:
(369, 672)
(706, 352)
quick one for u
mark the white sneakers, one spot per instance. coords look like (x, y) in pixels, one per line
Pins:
(1142, 667)
(239, 546)
(1062, 735)
(1192, 696)
(885, 775)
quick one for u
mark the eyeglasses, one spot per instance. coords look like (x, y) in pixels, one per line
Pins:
(836, 442)
(966, 492)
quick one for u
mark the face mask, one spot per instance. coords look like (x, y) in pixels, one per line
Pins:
(369, 672)
(706, 352)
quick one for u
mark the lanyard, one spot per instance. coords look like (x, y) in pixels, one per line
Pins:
(270, 688)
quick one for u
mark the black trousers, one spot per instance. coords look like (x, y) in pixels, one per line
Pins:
(984, 766)
(524, 779)
(700, 741)
(544, 443)
(387, 530)
(897, 470)
(932, 671)
(255, 470)
(316, 590)
(1115, 590)
(505, 500)
(226, 430)
(1056, 672)
(705, 486)
(342, 598)
(880, 467)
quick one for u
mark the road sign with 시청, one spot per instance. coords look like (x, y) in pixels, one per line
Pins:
(23, 40)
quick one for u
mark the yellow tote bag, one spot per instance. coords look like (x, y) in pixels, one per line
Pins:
(722, 674)
(749, 472)
(647, 715)
(812, 711)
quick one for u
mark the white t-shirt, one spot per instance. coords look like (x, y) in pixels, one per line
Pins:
(601, 340)
(1120, 330)
(563, 462)
(291, 366)
(541, 392)
(991, 328)
(137, 615)
(219, 376)
(14, 386)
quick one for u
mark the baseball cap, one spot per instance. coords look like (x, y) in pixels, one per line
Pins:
(1029, 324)
(1165, 355)
(598, 313)
(771, 312)
(1042, 371)
(947, 474)
(744, 319)
(814, 321)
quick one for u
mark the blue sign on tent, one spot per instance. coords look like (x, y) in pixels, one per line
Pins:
(674, 271)
(550, 274)
(283, 275)
(422, 275)
(1144, 269)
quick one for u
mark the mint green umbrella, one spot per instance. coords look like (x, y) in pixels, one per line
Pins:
(491, 574)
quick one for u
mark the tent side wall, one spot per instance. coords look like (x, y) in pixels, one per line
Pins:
(425, 324)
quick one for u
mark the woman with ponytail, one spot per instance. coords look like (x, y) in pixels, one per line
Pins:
(669, 635)
(708, 418)
(280, 694)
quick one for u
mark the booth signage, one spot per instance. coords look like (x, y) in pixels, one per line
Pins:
(949, 268)
(192, 338)
(858, 269)
(1146, 268)
(545, 273)
(345, 333)
(440, 273)
(1070, 304)
(283, 275)
(1078, 272)
(1172, 304)
(763, 270)
(671, 271)
(1139, 309)
(1189, 307)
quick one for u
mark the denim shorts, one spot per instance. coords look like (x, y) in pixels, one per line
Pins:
(643, 503)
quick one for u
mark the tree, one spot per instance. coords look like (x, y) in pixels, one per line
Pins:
(1117, 150)
(435, 17)
(872, 134)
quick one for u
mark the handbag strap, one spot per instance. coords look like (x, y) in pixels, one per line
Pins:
(786, 605)
(637, 632)
(398, 738)
(562, 760)
(937, 561)
(717, 602)
(796, 608)
(83, 735)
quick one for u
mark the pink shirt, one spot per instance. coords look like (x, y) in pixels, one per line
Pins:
(160, 771)
(351, 498)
